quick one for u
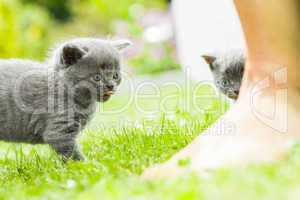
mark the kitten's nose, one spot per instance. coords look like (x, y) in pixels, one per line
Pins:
(236, 92)
(110, 87)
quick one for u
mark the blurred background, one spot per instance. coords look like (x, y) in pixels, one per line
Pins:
(28, 28)
(164, 32)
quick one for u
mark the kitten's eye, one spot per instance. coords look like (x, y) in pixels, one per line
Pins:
(116, 76)
(225, 83)
(97, 78)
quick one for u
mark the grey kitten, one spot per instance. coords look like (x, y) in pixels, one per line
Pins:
(228, 71)
(51, 102)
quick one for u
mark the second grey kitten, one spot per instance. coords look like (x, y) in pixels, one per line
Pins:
(228, 71)
(51, 102)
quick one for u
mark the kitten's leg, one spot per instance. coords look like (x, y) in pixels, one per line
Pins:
(64, 144)
(77, 155)
(67, 148)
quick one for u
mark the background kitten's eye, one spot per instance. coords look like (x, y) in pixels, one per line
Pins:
(116, 76)
(225, 82)
(97, 77)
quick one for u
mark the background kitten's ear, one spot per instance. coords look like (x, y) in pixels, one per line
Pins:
(71, 54)
(121, 44)
(210, 60)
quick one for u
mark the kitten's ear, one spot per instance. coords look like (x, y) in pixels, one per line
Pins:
(209, 60)
(71, 54)
(121, 44)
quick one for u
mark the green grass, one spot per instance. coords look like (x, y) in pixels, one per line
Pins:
(117, 155)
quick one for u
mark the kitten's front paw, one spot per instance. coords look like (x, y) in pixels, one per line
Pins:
(78, 157)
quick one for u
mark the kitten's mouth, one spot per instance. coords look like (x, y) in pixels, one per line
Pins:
(232, 96)
(109, 93)
(106, 96)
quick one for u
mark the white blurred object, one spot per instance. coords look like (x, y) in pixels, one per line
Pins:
(203, 26)
(158, 26)
(159, 33)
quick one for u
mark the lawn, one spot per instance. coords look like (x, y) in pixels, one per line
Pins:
(120, 145)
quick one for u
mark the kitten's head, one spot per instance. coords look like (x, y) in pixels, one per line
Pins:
(228, 71)
(92, 66)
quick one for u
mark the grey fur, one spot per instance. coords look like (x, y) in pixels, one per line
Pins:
(51, 102)
(228, 70)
